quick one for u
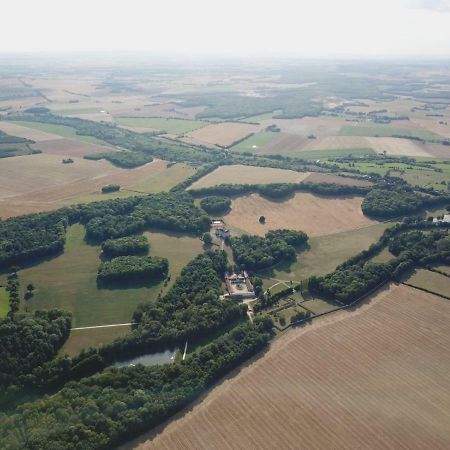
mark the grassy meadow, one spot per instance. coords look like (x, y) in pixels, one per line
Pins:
(4, 302)
(69, 282)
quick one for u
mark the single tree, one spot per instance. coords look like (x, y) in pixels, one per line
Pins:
(262, 219)
(207, 238)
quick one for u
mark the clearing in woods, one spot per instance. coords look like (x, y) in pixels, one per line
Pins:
(4, 302)
(248, 175)
(310, 213)
(69, 282)
(369, 377)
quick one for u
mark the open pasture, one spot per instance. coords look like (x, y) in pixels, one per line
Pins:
(315, 215)
(22, 131)
(69, 282)
(368, 378)
(70, 147)
(238, 174)
(400, 128)
(222, 134)
(431, 281)
(325, 253)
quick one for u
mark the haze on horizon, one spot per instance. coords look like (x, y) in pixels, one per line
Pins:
(319, 28)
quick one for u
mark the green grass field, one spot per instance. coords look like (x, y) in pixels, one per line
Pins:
(60, 130)
(69, 280)
(4, 302)
(171, 126)
(432, 281)
(325, 253)
(254, 142)
(259, 117)
(381, 130)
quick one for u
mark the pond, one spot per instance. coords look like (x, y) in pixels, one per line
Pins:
(149, 359)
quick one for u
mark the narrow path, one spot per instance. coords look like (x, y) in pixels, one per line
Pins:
(104, 326)
(185, 350)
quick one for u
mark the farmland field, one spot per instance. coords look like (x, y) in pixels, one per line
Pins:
(370, 377)
(41, 182)
(171, 126)
(386, 131)
(304, 211)
(70, 147)
(431, 281)
(222, 134)
(248, 175)
(69, 280)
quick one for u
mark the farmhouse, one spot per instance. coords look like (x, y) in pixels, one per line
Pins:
(239, 285)
(219, 229)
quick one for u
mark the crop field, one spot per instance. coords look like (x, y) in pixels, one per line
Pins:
(70, 147)
(445, 269)
(304, 211)
(171, 126)
(397, 146)
(60, 131)
(15, 129)
(248, 175)
(431, 281)
(41, 182)
(385, 131)
(319, 126)
(222, 134)
(69, 281)
(370, 377)
(4, 302)
(257, 143)
(325, 253)
(318, 177)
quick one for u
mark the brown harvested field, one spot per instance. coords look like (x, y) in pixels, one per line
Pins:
(284, 143)
(437, 150)
(433, 124)
(223, 134)
(27, 133)
(248, 175)
(318, 177)
(371, 378)
(320, 126)
(337, 142)
(69, 147)
(315, 215)
(41, 182)
(396, 146)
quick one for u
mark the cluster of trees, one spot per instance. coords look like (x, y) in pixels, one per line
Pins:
(215, 204)
(26, 237)
(110, 188)
(168, 210)
(358, 276)
(8, 139)
(256, 252)
(28, 341)
(104, 410)
(124, 268)
(199, 173)
(12, 287)
(129, 245)
(126, 160)
(395, 200)
(279, 190)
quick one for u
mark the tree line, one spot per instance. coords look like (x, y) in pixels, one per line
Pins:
(129, 245)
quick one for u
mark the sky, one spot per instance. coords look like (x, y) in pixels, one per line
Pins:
(312, 28)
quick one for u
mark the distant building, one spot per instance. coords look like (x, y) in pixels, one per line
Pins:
(239, 285)
(222, 233)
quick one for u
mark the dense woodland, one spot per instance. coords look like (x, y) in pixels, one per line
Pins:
(215, 204)
(129, 245)
(105, 409)
(132, 268)
(28, 341)
(256, 252)
(127, 160)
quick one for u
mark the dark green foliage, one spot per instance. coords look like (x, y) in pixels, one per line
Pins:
(125, 268)
(215, 204)
(110, 188)
(8, 139)
(393, 201)
(279, 190)
(106, 409)
(27, 342)
(130, 245)
(207, 238)
(256, 252)
(127, 160)
(26, 237)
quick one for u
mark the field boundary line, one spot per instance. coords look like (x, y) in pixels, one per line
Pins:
(103, 326)
(425, 290)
